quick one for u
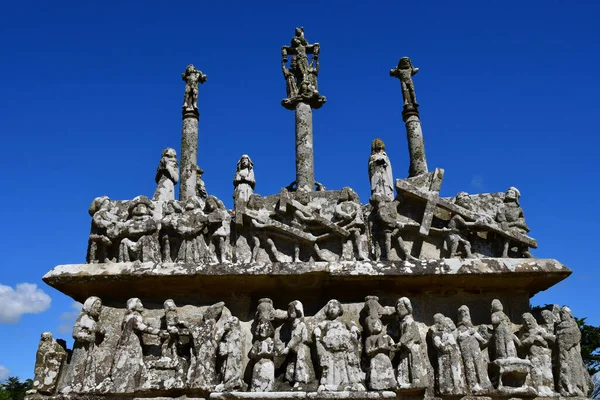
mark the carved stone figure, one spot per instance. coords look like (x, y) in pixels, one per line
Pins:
(244, 181)
(503, 339)
(412, 370)
(378, 345)
(190, 227)
(511, 218)
(179, 333)
(49, 361)
(298, 364)
(537, 342)
(170, 238)
(200, 186)
(262, 353)
(388, 226)
(449, 371)
(219, 228)
(471, 342)
(203, 369)
(573, 379)
(380, 171)
(81, 375)
(230, 357)
(405, 71)
(101, 242)
(140, 232)
(128, 369)
(192, 77)
(457, 226)
(289, 74)
(349, 215)
(338, 350)
(167, 175)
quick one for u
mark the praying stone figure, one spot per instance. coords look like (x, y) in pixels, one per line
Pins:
(244, 181)
(49, 361)
(457, 227)
(81, 375)
(405, 71)
(262, 353)
(449, 373)
(388, 226)
(128, 369)
(511, 218)
(412, 370)
(230, 357)
(200, 186)
(573, 378)
(203, 369)
(537, 343)
(167, 175)
(298, 364)
(378, 346)
(349, 215)
(471, 342)
(192, 77)
(140, 232)
(504, 340)
(219, 229)
(101, 242)
(338, 351)
(380, 171)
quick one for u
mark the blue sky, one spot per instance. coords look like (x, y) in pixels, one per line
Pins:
(91, 94)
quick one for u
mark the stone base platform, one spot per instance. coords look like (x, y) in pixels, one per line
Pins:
(433, 285)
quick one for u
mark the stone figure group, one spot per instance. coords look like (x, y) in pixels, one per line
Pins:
(381, 348)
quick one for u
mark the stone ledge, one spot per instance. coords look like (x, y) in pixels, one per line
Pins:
(197, 283)
(303, 395)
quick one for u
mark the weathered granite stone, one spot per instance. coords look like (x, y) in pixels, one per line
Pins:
(81, 373)
(449, 369)
(410, 114)
(262, 353)
(412, 369)
(192, 77)
(203, 369)
(349, 215)
(230, 357)
(101, 243)
(504, 341)
(243, 180)
(167, 176)
(170, 232)
(387, 226)
(140, 233)
(201, 192)
(49, 361)
(305, 163)
(510, 217)
(129, 371)
(295, 336)
(380, 171)
(190, 226)
(573, 378)
(219, 229)
(458, 227)
(475, 361)
(338, 350)
(537, 343)
(378, 345)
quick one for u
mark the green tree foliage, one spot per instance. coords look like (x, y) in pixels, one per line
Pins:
(590, 345)
(14, 389)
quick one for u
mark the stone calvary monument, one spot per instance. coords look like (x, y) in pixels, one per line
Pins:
(309, 293)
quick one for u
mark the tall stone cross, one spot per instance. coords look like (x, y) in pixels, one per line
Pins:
(410, 115)
(302, 96)
(189, 132)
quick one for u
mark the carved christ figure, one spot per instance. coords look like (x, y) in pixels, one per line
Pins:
(404, 71)
(192, 78)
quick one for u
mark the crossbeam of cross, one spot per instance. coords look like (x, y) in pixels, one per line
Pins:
(430, 195)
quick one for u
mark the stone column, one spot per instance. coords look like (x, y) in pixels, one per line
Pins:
(416, 145)
(189, 154)
(305, 163)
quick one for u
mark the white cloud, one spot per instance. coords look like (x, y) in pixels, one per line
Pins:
(477, 182)
(4, 373)
(26, 298)
(68, 318)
